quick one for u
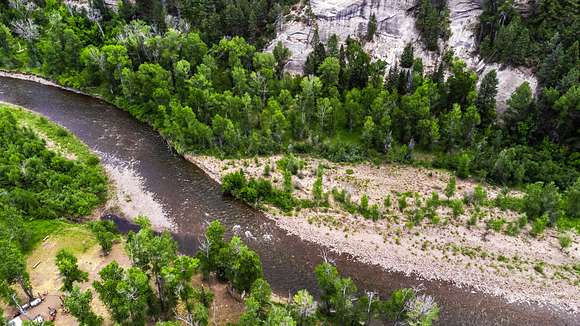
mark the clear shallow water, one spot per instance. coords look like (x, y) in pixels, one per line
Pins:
(190, 199)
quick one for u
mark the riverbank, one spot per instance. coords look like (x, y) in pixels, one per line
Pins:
(519, 268)
(287, 259)
(126, 194)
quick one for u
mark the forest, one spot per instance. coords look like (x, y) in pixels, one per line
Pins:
(227, 98)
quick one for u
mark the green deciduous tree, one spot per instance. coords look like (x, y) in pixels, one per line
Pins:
(78, 303)
(13, 267)
(126, 294)
(69, 269)
(151, 253)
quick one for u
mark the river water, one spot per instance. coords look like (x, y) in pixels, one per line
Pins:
(191, 198)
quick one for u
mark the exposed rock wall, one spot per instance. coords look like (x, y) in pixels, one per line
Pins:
(396, 27)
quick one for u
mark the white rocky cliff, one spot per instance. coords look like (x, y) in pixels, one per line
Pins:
(396, 27)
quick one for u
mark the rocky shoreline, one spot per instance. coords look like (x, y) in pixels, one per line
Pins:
(489, 262)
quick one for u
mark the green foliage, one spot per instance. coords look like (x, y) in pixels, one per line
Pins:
(540, 200)
(479, 195)
(451, 187)
(456, 207)
(407, 56)
(496, 224)
(13, 267)
(371, 28)
(113, 288)
(106, 233)
(40, 183)
(78, 303)
(565, 240)
(432, 21)
(539, 225)
(239, 265)
(256, 191)
(290, 163)
(573, 200)
(69, 270)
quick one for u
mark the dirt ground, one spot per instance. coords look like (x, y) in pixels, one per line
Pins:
(519, 267)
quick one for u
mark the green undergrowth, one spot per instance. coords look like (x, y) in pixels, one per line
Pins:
(65, 141)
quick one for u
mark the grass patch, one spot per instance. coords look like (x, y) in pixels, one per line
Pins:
(74, 234)
(76, 237)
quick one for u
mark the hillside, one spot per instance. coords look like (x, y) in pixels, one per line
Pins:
(395, 28)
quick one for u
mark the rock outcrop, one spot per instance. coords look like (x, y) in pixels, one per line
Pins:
(396, 27)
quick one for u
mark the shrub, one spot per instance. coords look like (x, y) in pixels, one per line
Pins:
(288, 187)
(539, 225)
(522, 221)
(374, 213)
(539, 267)
(106, 233)
(290, 164)
(541, 199)
(572, 203)
(565, 240)
(479, 195)
(456, 207)
(451, 187)
(472, 219)
(402, 202)
(317, 189)
(496, 224)
(387, 202)
(364, 204)
(433, 202)
(512, 229)
(463, 164)
(232, 183)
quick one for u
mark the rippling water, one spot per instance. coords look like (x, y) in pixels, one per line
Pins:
(190, 199)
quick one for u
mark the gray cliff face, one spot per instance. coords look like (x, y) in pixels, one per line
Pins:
(396, 27)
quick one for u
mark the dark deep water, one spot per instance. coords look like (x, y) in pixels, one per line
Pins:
(191, 198)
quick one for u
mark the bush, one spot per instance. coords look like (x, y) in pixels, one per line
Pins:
(364, 204)
(234, 182)
(451, 187)
(456, 207)
(539, 225)
(402, 202)
(542, 200)
(290, 163)
(512, 229)
(573, 200)
(565, 240)
(479, 195)
(496, 224)
(106, 233)
(387, 202)
(504, 202)
(463, 164)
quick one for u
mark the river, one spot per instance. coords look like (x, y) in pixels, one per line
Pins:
(190, 199)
